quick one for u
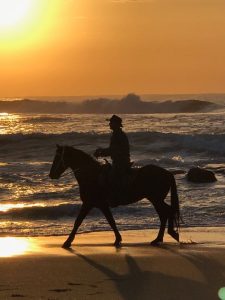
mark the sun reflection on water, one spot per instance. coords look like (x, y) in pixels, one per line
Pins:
(10, 246)
(7, 116)
(9, 206)
(9, 122)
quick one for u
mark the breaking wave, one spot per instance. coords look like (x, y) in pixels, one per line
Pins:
(140, 141)
(41, 213)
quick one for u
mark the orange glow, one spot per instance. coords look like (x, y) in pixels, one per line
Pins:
(97, 47)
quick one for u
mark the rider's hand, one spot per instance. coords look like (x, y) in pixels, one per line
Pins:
(98, 152)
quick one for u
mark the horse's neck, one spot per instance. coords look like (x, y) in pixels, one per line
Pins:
(86, 174)
(84, 165)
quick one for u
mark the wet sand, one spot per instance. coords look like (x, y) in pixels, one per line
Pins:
(94, 269)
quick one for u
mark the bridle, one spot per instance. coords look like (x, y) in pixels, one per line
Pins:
(62, 161)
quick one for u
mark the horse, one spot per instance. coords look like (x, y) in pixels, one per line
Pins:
(151, 182)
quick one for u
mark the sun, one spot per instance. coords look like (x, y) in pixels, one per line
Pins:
(13, 12)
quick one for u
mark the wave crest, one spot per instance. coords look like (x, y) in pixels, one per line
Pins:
(142, 142)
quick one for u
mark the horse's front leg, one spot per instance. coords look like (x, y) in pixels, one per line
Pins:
(109, 217)
(85, 208)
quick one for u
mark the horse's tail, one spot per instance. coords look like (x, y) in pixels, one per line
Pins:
(175, 203)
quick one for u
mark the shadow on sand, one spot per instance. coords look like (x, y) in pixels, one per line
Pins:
(137, 283)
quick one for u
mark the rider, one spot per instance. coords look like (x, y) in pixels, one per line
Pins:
(119, 151)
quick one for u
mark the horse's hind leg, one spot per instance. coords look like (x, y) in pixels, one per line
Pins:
(109, 217)
(162, 209)
(82, 214)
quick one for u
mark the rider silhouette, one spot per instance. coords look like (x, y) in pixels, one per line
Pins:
(119, 151)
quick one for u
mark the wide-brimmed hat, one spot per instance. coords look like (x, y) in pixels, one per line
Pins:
(115, 119)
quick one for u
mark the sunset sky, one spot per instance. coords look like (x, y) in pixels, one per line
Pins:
(99, 47)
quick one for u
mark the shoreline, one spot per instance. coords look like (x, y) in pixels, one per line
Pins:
(94, 269)
(183, 229)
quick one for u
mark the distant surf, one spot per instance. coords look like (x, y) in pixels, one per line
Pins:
(130, 104)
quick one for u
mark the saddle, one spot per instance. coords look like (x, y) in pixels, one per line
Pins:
(117, 190)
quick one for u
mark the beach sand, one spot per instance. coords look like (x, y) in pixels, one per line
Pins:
(39, 268)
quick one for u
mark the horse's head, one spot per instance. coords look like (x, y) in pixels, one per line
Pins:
(66, 157)
(59, 165)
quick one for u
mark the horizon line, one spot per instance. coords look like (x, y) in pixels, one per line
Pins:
(113, 95)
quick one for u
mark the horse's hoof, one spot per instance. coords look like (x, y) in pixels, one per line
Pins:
(174, 235)
(156, 242)
(117, 242)
(66, 245)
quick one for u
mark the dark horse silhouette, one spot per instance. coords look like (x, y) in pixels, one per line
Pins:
(151, 182)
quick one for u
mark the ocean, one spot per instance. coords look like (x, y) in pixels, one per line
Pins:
(31, 204)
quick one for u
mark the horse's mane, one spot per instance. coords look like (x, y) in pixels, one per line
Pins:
(83, 156)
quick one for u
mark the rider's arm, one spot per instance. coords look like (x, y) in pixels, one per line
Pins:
(102, 152)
